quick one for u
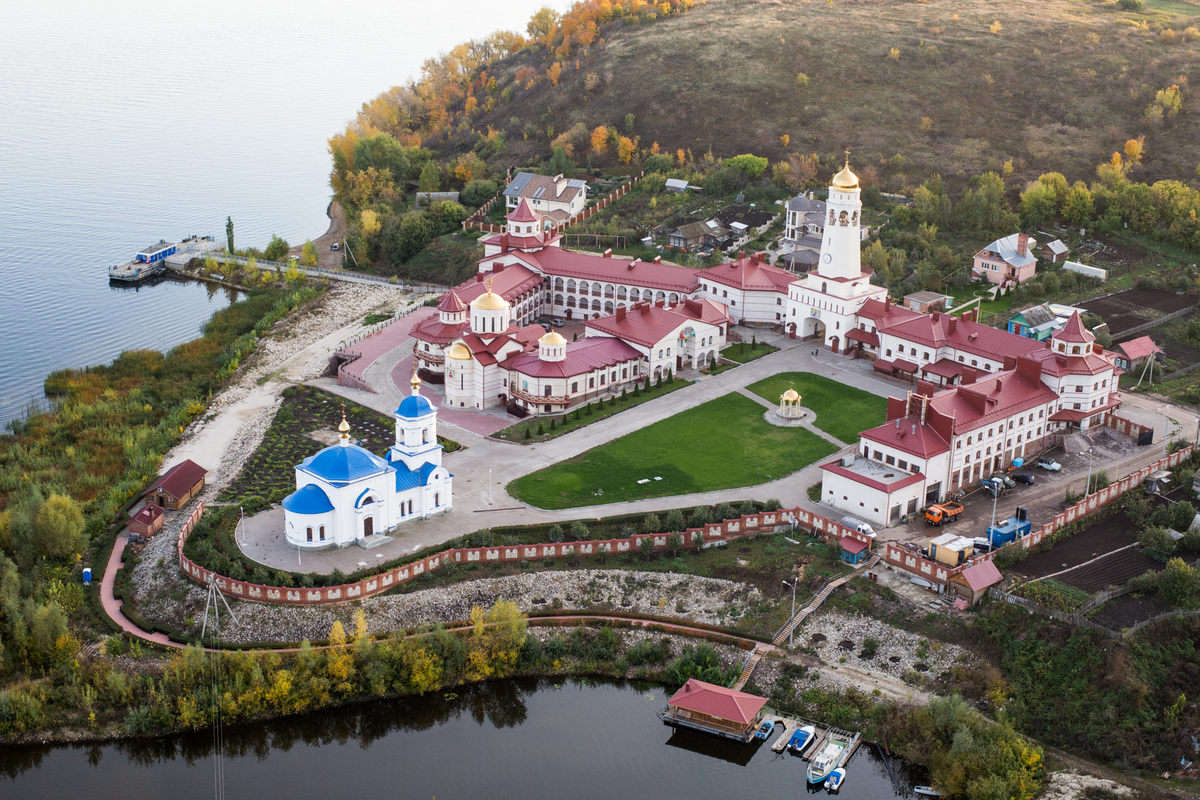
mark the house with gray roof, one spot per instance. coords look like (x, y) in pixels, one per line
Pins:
(1007, 261)
(554, 199)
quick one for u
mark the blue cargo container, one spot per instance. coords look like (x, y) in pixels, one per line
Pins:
(1010, 529)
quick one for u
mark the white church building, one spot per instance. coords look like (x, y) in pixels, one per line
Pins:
(345, 493)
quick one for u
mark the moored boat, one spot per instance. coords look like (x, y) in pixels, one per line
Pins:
(801, 738)
(927, 791)
(835, 779)
(825, 763)
(765, 729)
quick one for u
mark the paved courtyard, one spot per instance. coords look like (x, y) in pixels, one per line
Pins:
(486, 466)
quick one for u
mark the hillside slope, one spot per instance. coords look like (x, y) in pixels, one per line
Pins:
(1055, 86)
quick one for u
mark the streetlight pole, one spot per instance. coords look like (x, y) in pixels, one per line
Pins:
(992, 527)
(1087, 490)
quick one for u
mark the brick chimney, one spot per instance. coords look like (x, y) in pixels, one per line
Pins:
(754, 259)
(741, 255)
(608, 253)
(951, 325)
(620, 313)
(658, 259)
(1022, 244)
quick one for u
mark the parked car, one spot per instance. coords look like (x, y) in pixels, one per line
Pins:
(1024, 477)
(1007, 481)
(1049, 464)
(335, 246)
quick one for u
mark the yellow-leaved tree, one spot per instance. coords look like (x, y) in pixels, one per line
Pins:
(496, 640)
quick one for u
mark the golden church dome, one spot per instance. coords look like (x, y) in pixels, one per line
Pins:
(552, 339)
(790, 396)
(459, 352)
(845, 179)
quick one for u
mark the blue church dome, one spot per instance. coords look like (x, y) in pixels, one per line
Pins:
(310, 499)
(414, 406)
(343, 464)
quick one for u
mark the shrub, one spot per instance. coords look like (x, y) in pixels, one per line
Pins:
(579, 530)
(556, 533)
(652, 524)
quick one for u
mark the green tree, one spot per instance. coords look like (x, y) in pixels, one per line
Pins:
(560, 164)
(1078, 208)
(1039, 202)
(446, 216)
(651, 524)
(674, 520)
(229, 234)
(308, 254)
(646, 546)
(431, 178)
(1178, 583)
(383, 152)
(579, 530)
(478, 191)
(277, 249)
(407, 236)
(58, 529)
(751, 165)
(542, 23)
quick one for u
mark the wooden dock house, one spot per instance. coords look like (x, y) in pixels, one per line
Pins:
(715, 709)
(178, 485)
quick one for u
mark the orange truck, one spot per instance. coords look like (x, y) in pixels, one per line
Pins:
(943, 512)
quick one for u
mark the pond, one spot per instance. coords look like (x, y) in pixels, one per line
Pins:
(520, 739)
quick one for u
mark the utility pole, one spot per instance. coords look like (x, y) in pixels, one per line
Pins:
(1087, 490)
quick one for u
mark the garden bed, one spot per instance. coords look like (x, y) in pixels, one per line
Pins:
(270, 473)
(744, 353)
(1108, 534)
(1128, 610)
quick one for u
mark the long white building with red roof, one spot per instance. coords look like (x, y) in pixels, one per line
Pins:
(997, 397)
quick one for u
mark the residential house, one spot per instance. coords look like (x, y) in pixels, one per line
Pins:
(554, 199)
(805, 217)
(676, 186)
(1007, 261)
(973, 582)
(925, 302)
(1132, 355)
(699, 235)
(1036, 322)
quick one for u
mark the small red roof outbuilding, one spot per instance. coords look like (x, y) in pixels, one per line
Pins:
(718, 701)
(179, 479)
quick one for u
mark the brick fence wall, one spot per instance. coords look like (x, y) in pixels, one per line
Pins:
(716, 533)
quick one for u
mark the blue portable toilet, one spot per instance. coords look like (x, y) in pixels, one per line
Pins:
(87, 576)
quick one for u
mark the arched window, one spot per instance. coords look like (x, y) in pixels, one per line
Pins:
(558, 284)
(322, 533)
(674, 298)
(570, 286)
(608, 307)
(595, 305)
(621, 295)
(310, 534)
(558, 299)
(824, 287)
(571, 302)
(608, 290)
(583, 287)
(660, 296)
(844, 219)
(437, 499)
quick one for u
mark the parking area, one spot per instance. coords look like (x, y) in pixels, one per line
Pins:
(1112, 453)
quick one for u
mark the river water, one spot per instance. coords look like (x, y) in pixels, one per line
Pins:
(516, 739)
(125, 124)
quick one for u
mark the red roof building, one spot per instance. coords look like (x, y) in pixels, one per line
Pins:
(972, 583)
(178, 485)
(716, 709)
(147, 521)
(754, 291)
(1133, 354)
(690, 333)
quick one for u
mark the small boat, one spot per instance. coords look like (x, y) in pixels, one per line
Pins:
(765, 729)
(825, 763)
(835, 779)
(927, 791)
(801, 738)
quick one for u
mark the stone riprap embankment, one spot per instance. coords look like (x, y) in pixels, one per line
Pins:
(683, 597)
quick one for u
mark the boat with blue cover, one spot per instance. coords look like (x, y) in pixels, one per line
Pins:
(835, 779)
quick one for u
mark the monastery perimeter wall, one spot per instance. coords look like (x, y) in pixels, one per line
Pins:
(714, 534)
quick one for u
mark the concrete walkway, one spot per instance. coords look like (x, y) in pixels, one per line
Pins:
(486, 467)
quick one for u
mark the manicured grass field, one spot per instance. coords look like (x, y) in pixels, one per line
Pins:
(842, 411)
(722, 444)
(744, 352)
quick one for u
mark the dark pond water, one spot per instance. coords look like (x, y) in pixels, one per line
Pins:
(516, 739)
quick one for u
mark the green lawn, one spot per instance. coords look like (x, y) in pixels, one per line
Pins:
(842, 411)
(744, 352)
(722, 444)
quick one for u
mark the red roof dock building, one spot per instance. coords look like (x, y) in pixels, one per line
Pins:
(178, 485)
(714, 709)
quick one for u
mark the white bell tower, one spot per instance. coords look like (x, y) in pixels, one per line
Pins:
(416, 430)
(840, 248)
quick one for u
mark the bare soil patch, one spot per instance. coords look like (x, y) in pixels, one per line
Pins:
(1126, 310)
(1103, 537)
(1113, 570)
(1127, 610)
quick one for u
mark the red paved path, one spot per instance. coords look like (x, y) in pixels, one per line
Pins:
(112, 606)
(384, 342)
(484, 424)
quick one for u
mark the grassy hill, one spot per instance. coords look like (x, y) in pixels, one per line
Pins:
(1055, 86)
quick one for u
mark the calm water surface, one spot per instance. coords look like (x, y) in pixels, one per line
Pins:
(510, 739)
(128, 123)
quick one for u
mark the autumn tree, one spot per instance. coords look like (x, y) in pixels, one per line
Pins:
(369, 223)
(543, 23)
(58, 529)
(1038, 204)
(308, 254)
(1078, 208)
(626, 147)
(600, 140)
(554, 73)
(497, 636)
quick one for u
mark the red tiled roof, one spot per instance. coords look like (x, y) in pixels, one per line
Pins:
(943, 368)
(179, 479)
(944, 330)
(717, 701)
(997, 396)
(982, 575)
(522, 213)
(582, 357)
(562, 263)
(1138, 348)
(645, 324)
(488, 352)
(853, 546)
(1072, 415)
(1074, 331)
(883, 365)
(904, 365)
(510, 283)
(910, 436)
(886, 314)
(1059, 364)
(149, 514)
(752, 274)
(434, 331)
(864, 336)
(452, 303)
